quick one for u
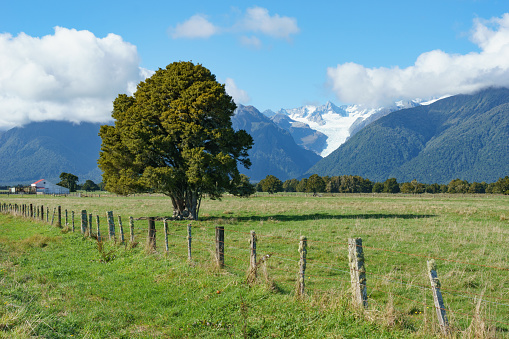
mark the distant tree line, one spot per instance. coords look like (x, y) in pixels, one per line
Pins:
(70, 181)
(356, 184)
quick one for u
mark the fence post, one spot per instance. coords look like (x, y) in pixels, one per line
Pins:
(53, 215)
(90, 219)
(72, 217)
(121, 228)
(31, 211)
(303, 250)
(437, 296)
(59, 216)
(165, 222)
(189, 239)
(220, 246)
(357, 272)
(131, 228)
(98, 230)
(47, 214)
(151, 240)
(84, 222)
(66, 215)
(252, 259)
(111, 225)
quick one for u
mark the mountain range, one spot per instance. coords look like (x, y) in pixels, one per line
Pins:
(324, 128)
(43, 150)
(462, 136)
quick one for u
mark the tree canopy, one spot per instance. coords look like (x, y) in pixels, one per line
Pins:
(69, 181)
(174, 136)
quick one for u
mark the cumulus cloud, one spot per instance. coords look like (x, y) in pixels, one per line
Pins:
(256, 20)
(434, 73)
(195, 27)
(70, 75)
(239, 95)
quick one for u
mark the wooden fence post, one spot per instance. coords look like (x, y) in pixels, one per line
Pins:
(59, 216)
(252, 259)
(437, 296)
(111, 225)
(53, 215)
(72, 217)
(90, 219)
(98, 230)
(303, 245)
(31, 211)
(165, 223)
(66, 218)
(131, 228)
(220, 246)
(47, 214)
(357, 272)
(84, 222)
(121, 229)
(151, 239)
(189, 239)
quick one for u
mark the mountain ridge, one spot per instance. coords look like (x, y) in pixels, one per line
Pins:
(462, 136)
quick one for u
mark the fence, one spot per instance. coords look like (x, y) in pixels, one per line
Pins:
(302, 266)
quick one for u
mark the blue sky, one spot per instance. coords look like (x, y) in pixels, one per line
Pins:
(68, 60)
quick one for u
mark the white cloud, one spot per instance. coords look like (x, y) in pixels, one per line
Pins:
(239, 96)
(257, 19)
(434, 73)
(251, 41)
(196, 27)
(71, 75)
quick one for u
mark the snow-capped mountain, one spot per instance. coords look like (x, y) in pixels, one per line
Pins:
(338, 123)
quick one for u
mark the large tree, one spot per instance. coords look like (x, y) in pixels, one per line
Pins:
(68, 180)
(174, 136)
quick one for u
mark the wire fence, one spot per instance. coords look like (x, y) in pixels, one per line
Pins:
(406, 290)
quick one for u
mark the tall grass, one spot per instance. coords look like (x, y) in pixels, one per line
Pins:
(71, 289)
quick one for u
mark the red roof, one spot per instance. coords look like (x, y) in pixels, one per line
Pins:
(38, 181)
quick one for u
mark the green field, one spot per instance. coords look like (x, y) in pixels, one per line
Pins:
(58, 284)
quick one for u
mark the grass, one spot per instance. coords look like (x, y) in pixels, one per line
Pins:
(56, 283)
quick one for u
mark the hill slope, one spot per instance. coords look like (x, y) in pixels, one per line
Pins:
(274, 151)
(464, 136)
(46, 149)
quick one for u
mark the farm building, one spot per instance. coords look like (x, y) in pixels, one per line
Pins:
(43, 186)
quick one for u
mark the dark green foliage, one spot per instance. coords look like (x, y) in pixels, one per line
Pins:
(464, 136)
(271, 184)
(68, 180)
(501, 186)
(274, 151)
(315, 184)
(89, 185)
(349, 184)
(378, 187)
(174, 136)
(290, 185)
(391, 186)
(458, 186)
(244, 188)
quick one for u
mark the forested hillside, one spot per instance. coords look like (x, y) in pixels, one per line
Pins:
(464, 136)
(46, 149)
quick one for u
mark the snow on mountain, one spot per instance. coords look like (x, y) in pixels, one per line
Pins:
(336, 122)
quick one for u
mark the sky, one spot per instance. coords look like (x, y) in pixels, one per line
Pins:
(68, 60)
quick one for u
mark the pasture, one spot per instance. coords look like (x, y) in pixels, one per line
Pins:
(56, 283)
